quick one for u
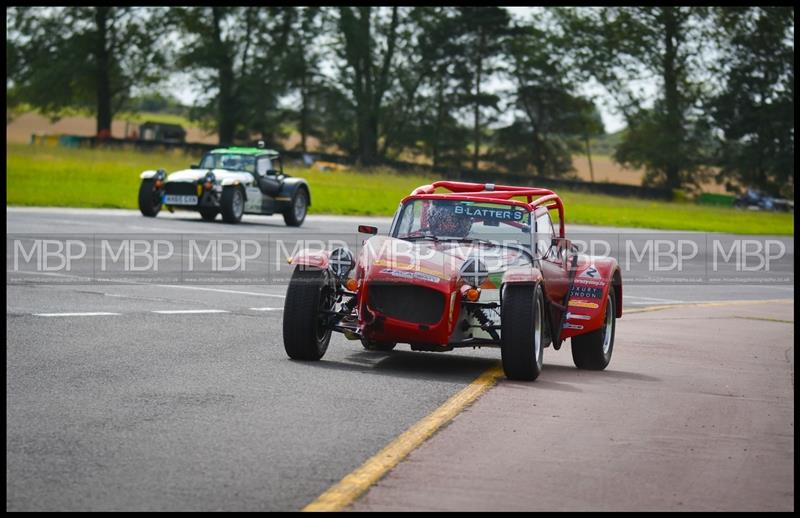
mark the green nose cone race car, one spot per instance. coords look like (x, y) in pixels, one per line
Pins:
(230, 181)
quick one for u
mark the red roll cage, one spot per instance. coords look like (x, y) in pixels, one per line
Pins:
(491, 193)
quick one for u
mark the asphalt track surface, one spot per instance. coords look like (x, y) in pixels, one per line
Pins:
(117, 402)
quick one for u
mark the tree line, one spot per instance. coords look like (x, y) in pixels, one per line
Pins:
(704, 91)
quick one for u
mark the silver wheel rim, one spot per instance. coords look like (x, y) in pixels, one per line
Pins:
(237, 203)
(607, 327)
(537, 334)
(300, 206)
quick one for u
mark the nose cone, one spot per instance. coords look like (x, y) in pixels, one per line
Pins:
(395, 260)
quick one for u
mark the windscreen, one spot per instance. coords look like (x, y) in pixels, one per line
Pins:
(459, 219)
(229, 161)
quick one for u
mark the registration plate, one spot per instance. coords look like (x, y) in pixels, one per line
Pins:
(180, 199)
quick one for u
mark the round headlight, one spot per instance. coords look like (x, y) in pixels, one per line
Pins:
(474, 271)
(341, 262)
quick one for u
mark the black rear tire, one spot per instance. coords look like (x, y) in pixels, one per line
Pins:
(232, 204)
(305, 337)
(296, 214)
(209, 214)
(149, 199)
(377, 346)
(522, 332)
(589, 351)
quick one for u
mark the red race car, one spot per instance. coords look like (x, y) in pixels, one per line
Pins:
(480, 265)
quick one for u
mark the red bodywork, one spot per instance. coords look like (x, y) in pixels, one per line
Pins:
(437, 269)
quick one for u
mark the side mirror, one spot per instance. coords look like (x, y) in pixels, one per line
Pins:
(272, 172)
(195, 166)
(367, 229)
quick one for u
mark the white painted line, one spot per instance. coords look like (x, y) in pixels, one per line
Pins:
(671, 301)
(223, 291)
(690, 302)
(189, 311)
(95, 314)
(266, 309)
(51, 274)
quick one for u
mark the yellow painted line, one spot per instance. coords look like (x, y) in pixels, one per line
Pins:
(721, 303)
(347, 490)
(353, 485)
(764, 319)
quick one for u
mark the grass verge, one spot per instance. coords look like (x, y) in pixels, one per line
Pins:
(54, 176)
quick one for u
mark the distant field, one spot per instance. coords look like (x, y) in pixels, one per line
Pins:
(20, 129)
(53, 176)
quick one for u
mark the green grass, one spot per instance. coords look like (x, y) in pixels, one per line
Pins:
(53, 176)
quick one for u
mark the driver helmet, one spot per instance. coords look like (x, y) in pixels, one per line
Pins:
(443, 220)
(231, 162)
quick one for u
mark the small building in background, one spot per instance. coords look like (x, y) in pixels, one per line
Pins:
(162, 132)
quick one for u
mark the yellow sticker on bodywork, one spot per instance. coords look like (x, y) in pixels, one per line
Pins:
(582, 304)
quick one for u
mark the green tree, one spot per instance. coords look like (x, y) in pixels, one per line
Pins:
(426, 96)
(624, 48)
(367, 46)
(482, 33)
(82, 57)
(755, 109)
(551, 121)
(302, 67)
(235, 53)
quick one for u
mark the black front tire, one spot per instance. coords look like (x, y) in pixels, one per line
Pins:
(592, 351)
(149, 199)
(522, 332)
(232, 204)
(296, 214)
(305, 335)
(378, 346)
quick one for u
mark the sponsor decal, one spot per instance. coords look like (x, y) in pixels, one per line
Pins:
(398, 266)
(426, 277)
(489, 213)
(583, 304)
(590, 282)
(575, 316)
(586, 292)
(567, 325)
(408, 274)
(405, 274)
(590, 272)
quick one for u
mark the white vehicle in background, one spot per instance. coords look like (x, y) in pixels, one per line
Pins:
(230, 181)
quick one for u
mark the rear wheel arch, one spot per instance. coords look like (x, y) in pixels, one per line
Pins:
(304, 186)
(616, 285)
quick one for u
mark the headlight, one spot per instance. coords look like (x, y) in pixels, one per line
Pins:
(474, 271)
(341, 262)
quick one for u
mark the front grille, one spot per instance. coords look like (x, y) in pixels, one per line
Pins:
(181, 188)
(407, 302)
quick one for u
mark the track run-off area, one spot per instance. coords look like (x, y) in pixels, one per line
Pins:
(149, 394)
